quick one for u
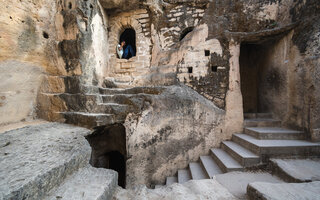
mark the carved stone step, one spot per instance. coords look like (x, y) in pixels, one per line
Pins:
(273, 133)
(183, 175)
(88, 120)
(276, 148)
(245, 157)
(171, 180)
(225, 161)
(210, 166)
(197, 171)
(262, 122)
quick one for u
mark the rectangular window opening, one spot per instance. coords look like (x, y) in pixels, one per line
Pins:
(214, 68)
(190, 70)
(206, 52)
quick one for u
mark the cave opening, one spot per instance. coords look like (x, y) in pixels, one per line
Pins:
(129, 36)
(108, 145)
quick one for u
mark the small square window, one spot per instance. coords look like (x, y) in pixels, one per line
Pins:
(214, 68)
(190, 70)
(206, 52)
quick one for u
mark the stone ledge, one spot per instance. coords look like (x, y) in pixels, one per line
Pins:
(37, 158)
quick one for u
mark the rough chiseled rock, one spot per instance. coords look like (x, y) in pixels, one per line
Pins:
(35, 159)
(175, 126)
(86, 184)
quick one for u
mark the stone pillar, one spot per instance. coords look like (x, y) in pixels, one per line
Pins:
(234, 107)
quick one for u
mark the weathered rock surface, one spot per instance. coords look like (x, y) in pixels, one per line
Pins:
(280, 191)
(191, 190)
(87, 184)
(174, 128)
(35, 159)
(18, 90)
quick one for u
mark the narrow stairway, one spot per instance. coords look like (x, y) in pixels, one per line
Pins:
(92, 106)
(263, 138)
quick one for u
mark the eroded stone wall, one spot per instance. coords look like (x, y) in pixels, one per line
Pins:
(176, 127)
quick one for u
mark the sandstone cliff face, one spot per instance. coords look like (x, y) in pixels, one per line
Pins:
(27, 49)
(28, 32)
(61, 38)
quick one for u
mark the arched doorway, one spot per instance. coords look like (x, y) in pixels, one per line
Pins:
(129, 36)
(109, 150)
(185, 32)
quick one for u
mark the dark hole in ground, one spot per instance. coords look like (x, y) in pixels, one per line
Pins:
(45, 35)
(108, 145)
(185, 32)
(129, 36)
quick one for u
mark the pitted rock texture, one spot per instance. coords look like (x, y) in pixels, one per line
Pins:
(18, 88)
(175, 127)
(35, 159)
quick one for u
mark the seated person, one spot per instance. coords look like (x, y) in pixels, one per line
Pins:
(123, 51)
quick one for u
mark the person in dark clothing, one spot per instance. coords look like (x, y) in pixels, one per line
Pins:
(125, 51)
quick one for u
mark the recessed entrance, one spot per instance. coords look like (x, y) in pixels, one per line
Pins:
(249, 73)
(255, 61)
(109, 150)
(129, 36)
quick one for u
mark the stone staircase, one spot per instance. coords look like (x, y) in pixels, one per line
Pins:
(262, 139)
(91, 106)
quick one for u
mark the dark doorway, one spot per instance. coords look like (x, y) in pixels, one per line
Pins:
(255, 67)
(109, 150)
(129, 36)
(249, 76)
